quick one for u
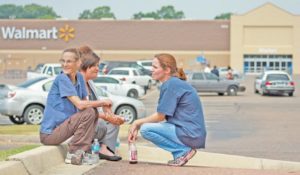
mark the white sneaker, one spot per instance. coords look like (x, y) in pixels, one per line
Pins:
(68, 158)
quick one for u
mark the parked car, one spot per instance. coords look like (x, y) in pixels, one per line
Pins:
(106, 66)
(209, 82)
(47, 70)
(130, 108)
(147, 64)
(131, 75)
(26, 102)
(117, 87)
(274, 82)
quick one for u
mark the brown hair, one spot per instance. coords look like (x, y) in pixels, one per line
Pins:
(181, 74)
(168, 60)
(75, 51)
(89, 58)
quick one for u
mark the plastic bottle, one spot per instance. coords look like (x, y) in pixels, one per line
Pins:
(94, 157)
(117, 146)
(95, 147)
(132, 153)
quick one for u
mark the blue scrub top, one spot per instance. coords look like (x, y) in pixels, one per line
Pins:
(58, 107)
(182, 107)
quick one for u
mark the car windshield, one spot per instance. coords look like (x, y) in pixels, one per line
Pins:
(57, 70)
(147, 63)
(119, 72)
(101, 92)
(28, 83)
(274, 77)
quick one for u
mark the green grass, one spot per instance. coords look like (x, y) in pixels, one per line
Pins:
(20, 129)
(5, 153)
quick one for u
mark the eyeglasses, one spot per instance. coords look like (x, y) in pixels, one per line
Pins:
(62, 61)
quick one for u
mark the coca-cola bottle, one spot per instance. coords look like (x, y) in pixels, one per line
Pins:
(132, 153)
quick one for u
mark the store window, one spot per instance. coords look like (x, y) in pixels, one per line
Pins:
(259, 63)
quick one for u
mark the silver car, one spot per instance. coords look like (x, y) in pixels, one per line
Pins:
(209, 82)
(26, 102)
(274, 82)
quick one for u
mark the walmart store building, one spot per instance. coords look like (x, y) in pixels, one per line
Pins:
(266, 37)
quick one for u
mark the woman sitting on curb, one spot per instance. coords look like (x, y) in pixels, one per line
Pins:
(178, 125)
(68, 113)
(107, 130)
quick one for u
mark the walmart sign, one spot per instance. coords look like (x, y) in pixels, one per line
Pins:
(13, 33)
(24, 33)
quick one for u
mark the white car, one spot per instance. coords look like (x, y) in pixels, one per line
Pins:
(26, 102)
(147, 64)
(131, 75)
(117, 87)
(274, 82)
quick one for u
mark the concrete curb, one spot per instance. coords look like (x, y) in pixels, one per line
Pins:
(50, 160)
(42, 160)
(12, 168)
(156, 155)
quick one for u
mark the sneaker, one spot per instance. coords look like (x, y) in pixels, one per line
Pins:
(90, 159)
(180, 161)
(68, 158)
(76, 159)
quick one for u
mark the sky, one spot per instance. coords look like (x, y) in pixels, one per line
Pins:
(193, 9)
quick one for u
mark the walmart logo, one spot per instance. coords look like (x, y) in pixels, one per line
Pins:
(12, 33)
(66, 33)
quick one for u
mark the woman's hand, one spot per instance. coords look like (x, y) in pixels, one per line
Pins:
(106, 103)
(111, 118)
(133, 132)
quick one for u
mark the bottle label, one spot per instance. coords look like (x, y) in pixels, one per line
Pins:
(133, 155)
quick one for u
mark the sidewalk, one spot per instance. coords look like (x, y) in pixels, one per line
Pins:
(50, 160)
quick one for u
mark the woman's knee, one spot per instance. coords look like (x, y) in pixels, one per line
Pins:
(146, 129)
(90, 112)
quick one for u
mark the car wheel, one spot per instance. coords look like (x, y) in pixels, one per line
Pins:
(132, 93)
(256, 91)
(220, 94)
(291, 94)
(127, 112)
(34, 114)
(232, 91)
(17, 119)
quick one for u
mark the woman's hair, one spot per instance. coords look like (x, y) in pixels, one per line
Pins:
(88, 57)
(75, 51)
(168, 60)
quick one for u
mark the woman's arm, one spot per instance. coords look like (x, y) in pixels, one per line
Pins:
(133, 130)
(83, 104)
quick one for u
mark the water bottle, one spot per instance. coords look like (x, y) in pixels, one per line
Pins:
(117, 146)
(132, 153)
(95, 147)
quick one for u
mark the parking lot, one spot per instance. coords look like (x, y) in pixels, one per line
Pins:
(248, 124)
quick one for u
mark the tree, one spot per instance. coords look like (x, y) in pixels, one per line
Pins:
(166, 12)
(141, 15)
(30, 11)
(169, 12)
(224, 16)
(8, 11)
(98, 13)
(33, 11)
(86, 14)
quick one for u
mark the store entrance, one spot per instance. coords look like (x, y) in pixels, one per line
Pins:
(259, 63)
